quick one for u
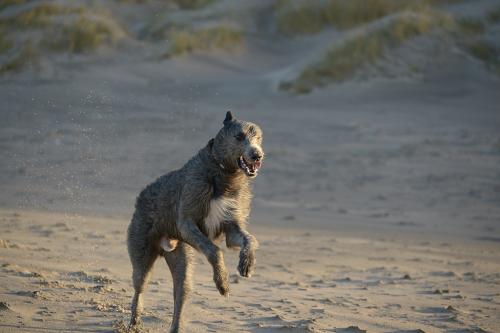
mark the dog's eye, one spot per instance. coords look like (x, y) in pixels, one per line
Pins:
(240, 136)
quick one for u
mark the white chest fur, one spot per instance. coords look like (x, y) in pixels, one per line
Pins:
(220, 210)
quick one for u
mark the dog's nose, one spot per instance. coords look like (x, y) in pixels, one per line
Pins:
(256, 156)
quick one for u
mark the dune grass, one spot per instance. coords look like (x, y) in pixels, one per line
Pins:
(132, 1)
(469, 26)
(219, 37)
(486, 52)
(82, 35)
(192, 4)
(471, 40)
(182, 4)
(27, 56)
(341, 62)
(311, 17)
(40, 16)
(6, 3)
(483, 50)
(52, 27)
(5, 42)
(494, 16)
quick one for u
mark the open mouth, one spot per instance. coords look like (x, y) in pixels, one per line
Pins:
(249, 168)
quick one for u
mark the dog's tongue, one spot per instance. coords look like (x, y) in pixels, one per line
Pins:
(257, 165)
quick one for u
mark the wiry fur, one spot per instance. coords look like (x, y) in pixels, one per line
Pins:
(208, 197)
(219, 210)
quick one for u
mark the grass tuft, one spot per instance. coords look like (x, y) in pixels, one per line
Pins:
(5, 43)
(192, 4)
(484, 51)
(27, 56)
(307, 18)
(469, 26)
(6, 3)
(54, 27)
(341, 62)
(494, 16)
(82, 35)
(40, 16)
(219, 37)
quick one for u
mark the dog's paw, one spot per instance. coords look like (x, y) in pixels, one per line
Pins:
(247, 263)
(221, 280)
(134, 326)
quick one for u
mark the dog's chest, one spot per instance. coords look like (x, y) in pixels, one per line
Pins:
(220, 210)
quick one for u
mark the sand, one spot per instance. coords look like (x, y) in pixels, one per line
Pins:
(377, 207)
(57, 276)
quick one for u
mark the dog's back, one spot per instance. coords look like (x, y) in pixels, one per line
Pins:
(157, 203)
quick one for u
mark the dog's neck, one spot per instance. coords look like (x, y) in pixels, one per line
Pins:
(226, 181)
(228, 185)
(225, 168)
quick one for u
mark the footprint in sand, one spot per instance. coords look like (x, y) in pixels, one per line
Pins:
(82, 276)
(4, 306)
(6, 244)
(62, 226)
(350, 329)
(33, 294)
(317, 311)
(443, 273)
(20, 271)
(279, 324)
(448, 313)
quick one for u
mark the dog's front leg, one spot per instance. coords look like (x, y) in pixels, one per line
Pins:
(191, 234)
(237, 236)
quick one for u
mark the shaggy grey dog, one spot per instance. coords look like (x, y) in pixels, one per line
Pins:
(193, 206)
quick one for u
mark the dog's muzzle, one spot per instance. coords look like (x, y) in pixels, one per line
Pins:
(249, 168)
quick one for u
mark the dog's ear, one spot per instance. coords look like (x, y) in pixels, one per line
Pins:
(229, 118)
(210, 143)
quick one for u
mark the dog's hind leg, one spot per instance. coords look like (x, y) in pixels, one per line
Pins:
(140, 277)
(180, 263)
(142, 255)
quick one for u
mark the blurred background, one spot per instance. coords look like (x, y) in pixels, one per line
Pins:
(376, 114)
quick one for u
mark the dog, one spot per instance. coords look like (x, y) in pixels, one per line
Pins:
(209, 197)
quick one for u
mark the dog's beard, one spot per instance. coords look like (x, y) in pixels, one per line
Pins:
(249, 168)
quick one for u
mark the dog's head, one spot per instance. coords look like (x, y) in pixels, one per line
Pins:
(238, 146)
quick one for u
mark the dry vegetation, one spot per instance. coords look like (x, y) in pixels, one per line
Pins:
(305, 18)
(40, 16)
(494, 16)
(83, 35)
(52, 27)
(158, 27)
(181, 4)
(27, 56)
(6, 3)
(477, 45)
(5, 42)
(57, 27)
(192, 4)
(484, 51)
(219, 37)
(469, 26)
(341, 62)
(66, 27)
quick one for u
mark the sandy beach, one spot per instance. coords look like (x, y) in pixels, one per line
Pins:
(377, 207)
(57, 276)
